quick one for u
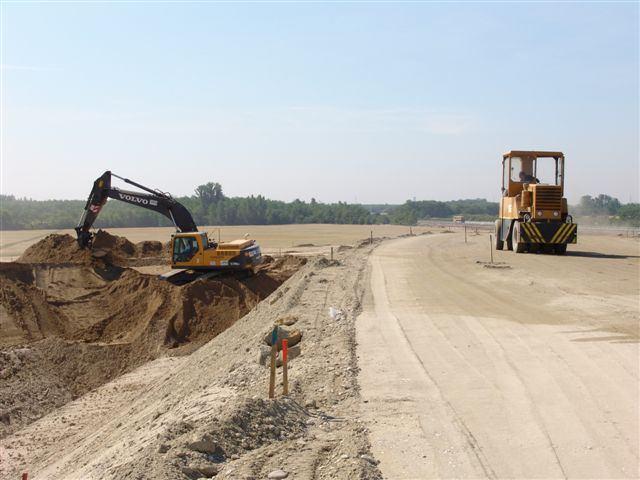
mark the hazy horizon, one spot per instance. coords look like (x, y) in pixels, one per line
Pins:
(363, 103)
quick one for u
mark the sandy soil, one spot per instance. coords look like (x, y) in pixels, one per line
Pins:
(69, 322)
(526, 370)
(273, 239)
(207, 414)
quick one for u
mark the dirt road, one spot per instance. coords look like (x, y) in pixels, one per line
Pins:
(524, 371)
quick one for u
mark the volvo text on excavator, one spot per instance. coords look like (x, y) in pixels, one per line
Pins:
(193, 254)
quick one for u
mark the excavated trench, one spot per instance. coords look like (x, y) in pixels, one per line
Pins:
(71, 319)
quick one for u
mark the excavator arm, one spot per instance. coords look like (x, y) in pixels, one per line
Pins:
(155, 200)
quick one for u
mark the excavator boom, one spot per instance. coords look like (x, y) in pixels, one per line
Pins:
(155, 200)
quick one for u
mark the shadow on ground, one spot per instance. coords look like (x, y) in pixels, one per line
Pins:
(613, 337)
(574, 253)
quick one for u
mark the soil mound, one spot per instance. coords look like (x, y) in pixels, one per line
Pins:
(151, 248)
(86, 320)
(282, 267)
(25, 313)
(56, 248)
(120, 246)
(107, 249)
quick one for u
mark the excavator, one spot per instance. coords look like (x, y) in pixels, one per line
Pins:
(193, 254)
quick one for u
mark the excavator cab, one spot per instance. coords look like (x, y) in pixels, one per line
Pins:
(185, 248)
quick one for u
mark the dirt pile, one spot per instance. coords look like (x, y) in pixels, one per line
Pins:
(246, 425)
(151, 248)
(120, 246)
(25, 313)
(87, 320)
(107, 248)
(281, 267)
(56, 248)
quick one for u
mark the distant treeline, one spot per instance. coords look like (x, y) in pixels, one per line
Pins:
(473, 209)
(209, 206)
(602, 209)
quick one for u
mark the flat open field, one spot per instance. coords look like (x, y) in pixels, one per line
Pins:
(271, 238)
(527, 369)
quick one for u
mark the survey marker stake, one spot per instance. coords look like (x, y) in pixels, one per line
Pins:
(491, 246)
(274, 353)
(285, 377)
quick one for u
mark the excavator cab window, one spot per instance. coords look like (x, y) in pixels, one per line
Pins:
(184, 248)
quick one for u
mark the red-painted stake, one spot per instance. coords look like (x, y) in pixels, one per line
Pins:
(25, 476)
(285, 378)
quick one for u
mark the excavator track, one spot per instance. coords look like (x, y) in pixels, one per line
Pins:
(182, 277)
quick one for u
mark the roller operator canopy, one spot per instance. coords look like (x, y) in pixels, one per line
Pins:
(532, 153)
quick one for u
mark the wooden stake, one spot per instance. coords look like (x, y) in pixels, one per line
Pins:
(25, 476)
(332, 254)
(371, 238)
(465, 234)
(274, 354)
(218, 235)
(285, 377)
(491, 246)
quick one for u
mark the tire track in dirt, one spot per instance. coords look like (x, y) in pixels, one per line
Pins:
(578, 394)
(476, 297)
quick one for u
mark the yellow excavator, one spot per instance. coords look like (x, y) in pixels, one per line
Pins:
(533, 210)
(193, 253)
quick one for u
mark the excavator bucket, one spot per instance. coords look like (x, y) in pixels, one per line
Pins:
(97, 198)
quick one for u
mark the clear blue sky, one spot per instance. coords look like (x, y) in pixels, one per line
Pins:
(367, 102)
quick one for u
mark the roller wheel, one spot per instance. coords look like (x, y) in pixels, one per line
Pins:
(561, 249)
(515, 239)
(508, 241)
(498, 234)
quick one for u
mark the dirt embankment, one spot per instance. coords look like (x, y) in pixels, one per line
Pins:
(207, 414)
(71, 321)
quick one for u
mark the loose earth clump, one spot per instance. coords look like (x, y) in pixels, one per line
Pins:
(71, 321)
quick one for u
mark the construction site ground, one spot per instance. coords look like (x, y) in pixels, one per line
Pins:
(434, 363)
(525, 368)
